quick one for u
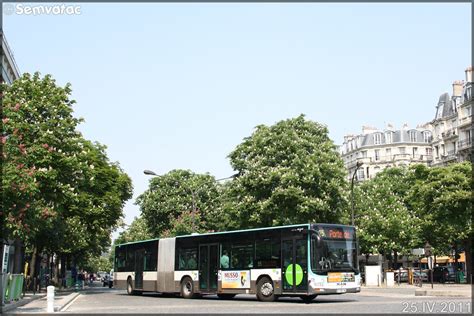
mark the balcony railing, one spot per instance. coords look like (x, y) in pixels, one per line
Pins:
(466, 120)
(464, 144)
(390, 159)
(449, 133)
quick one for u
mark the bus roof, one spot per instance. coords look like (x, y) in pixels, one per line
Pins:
(235, 231)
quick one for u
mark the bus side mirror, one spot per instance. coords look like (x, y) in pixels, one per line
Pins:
(319, 241)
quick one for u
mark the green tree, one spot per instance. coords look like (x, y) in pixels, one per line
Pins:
(290, 173)
(138, 230)
(442, 196)
(385, 224)
(62, 194)
(181, 195)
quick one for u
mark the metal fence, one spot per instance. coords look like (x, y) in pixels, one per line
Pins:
(12, 287)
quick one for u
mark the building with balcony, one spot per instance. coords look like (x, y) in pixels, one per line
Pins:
(10, 70)
(445, 139)
(452, 125)
(375, 150)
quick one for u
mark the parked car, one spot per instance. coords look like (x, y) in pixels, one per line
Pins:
(416, 274)
(423, 274)
(444, 274)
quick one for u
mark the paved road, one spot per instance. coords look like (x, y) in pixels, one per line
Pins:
(104, 300)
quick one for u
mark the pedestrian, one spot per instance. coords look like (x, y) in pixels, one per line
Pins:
(81, 279)
(91, 278)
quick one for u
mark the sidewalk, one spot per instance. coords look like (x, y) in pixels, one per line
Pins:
(404, 289)
(38, 303)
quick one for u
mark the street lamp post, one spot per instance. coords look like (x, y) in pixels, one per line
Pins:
(358, 165)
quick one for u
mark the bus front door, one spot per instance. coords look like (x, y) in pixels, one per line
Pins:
(295, 265)
(208, 266)
(139, 261)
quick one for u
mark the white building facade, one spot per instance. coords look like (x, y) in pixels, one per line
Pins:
(452, 125)
(447, 138)
(375, 150)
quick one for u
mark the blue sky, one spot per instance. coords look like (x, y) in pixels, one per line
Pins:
(168, 86)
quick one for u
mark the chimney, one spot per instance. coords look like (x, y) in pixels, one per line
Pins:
(469, 74)
(457, 88)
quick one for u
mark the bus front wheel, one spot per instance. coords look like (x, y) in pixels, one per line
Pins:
(265, 290)
(187, 288)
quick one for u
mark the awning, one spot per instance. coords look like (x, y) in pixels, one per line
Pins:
(446, 259)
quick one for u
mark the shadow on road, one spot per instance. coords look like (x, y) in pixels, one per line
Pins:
(248, 298)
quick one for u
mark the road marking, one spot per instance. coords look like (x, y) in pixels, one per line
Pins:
(70, 303)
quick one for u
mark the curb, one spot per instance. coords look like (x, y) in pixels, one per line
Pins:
(67, 300)
(21, 302)
(420, 292)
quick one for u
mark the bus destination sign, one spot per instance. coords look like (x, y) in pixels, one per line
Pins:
(335, 233)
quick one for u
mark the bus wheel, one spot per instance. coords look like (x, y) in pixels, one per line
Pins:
(265, 290)
(308, 298)
(130, 290)
(187, 288)
(225, 296)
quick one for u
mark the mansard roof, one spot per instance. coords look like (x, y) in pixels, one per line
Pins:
(444, 107)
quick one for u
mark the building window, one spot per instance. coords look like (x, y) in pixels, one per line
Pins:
(388, 153)
(437, 151)
(377, 138)
(415, 152)
(426, 137)
(364, 154)
(429, 151)
(412, 136)
(360, 174)
(401, 150)
(377, 154)
(388, 137)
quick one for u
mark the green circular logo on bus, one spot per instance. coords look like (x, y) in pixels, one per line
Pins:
(298, 273)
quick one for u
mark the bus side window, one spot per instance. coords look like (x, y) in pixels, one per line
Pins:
(267, 253)
(187, 259)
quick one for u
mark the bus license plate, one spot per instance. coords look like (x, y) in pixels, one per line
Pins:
(341, 290)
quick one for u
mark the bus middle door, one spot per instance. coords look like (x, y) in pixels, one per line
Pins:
(294, 264)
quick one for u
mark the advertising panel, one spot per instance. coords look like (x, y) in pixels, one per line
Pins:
(235, 279)
(341, 277)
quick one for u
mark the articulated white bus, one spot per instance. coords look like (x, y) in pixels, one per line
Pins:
(297, 260)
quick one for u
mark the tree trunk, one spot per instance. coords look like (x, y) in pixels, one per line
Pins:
(395, 260)
(56, 269)
(33, 262)
(467, 255)
(17, 257)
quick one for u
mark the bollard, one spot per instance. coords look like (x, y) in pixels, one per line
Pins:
(50, 299)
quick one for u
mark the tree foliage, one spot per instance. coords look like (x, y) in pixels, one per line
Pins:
(443, 197)
(290, 173)
(181, 202)
(138, 230)
(55, 183)
(384, 221)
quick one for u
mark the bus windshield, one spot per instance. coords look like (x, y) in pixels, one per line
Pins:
(336, 251)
